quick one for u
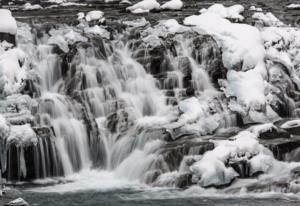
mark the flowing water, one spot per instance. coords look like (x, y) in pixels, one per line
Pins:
(112, 123)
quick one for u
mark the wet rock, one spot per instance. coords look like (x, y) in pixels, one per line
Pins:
(281, 147)
(119, 121)
(174, 152)
(274, 133)
(242, 167)
(207, 53)
(151, 176)
(184, 180)
(8, 38)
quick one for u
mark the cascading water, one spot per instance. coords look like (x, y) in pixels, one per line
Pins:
(102, 87)
(151, 107)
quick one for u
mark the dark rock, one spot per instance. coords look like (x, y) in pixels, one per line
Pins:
(10, 38)
(175, 151)
(184, 180)
(274, 133)
(207, 53)
(242, 167)
(281, 146)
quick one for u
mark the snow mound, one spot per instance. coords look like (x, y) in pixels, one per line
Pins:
(144, 6)
(7, 22)
(172, 5)
(232, 12)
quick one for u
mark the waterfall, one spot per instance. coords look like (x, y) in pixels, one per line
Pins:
(104, 105)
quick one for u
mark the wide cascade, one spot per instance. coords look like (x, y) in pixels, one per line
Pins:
(163, 104)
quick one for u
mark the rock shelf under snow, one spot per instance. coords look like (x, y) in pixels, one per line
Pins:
(8, 23)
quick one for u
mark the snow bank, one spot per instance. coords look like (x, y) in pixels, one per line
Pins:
(144, 6)
(267, 19)
(8, 24)
(232, 12)
(172, 5)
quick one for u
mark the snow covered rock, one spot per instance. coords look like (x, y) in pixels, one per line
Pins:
(126, 2)
(253, 8)
(293, 6)
(144, 6)
(29, 6)
(267, 19)
(243, 55)
(172, 5)
(232, 12)
(292, 126)
(8, 24)
(95, 16)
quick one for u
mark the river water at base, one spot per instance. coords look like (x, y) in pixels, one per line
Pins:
(95, 188)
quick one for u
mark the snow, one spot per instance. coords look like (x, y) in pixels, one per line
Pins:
(97, 30)
(267, 19)
(144, 6)
(8, 24)
(242, 48)
(291, 124)
(140, 11)
(191, 108)
(172, 5)
(4, 127)
(126, 2)
(12, 73)
(258, 129)
(253, 8)
(232, 12)
(293, 6)
(28, 6)
(80, 15)
(65, 37)
(211, 169)
(22, 135)
(95, 15)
